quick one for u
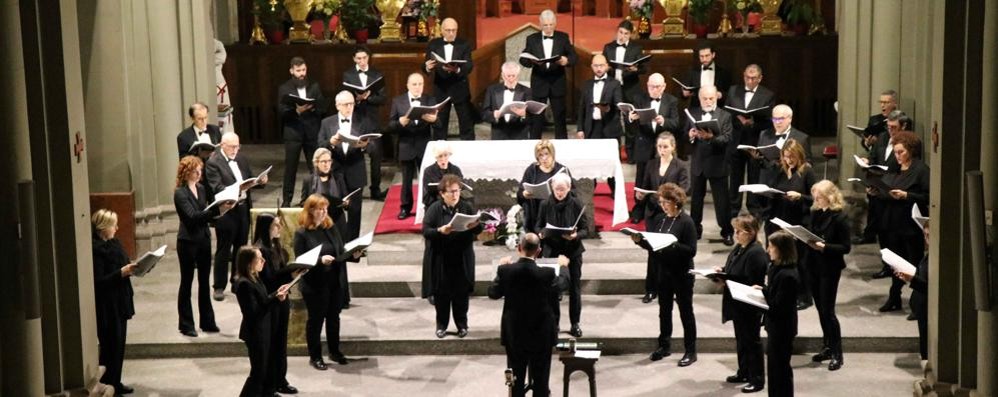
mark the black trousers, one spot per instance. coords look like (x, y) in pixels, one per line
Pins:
(921, 311)
(465, 121)
(409, 173)
(194, 255)
(575, 289)
(638, 210)
(911, 248)
(292, 150)
(539, 364)
(277, 372)
(781, 375)
(825, 288)
(719, 191)
(111, 334)
(258, 356)
(322, 307)
(748, 344)
(557, 114)
(375, 153)
(651, 276)
(873, 210)
(455, 301)
(679, 289)
(231, 232)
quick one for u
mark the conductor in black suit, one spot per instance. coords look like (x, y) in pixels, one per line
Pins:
(529, 327)
(368, 103)
(413, 135)
(547, 79)
(451, 80)
(746, 129)
(709, 163)
(223, 169)
(199, 131)
(646, 134)
(507, 126)
(706, 73)
(301, 123)
(348, 158)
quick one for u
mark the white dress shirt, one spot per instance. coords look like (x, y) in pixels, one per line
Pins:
(363, 76)
(548, 45)
(346, 123)
(597, 95)
(301, 93)
(507, 97)
(749, 93)
(413, 102)
(619, 57)
(448, 51)
(655, 103)
(202, 135)
(707, 76)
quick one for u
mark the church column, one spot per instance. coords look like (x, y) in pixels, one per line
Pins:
(987, 330)
(197, 54)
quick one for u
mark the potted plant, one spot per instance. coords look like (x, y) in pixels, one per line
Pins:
(699, 12)
(743, 10)
(272, 18)
(800, 14)
(356, 17)
(427, 19)
(327, 12)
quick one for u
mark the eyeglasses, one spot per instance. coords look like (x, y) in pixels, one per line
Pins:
(345, 104)
(324, 161)
(777, 119)
(453, 191)
(232, 146)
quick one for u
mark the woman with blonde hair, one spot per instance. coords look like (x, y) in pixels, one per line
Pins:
(112, 296)
(825, 262)
(795, 177)
(540, 171)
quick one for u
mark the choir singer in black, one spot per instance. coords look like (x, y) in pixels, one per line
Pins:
(507, 126)
(257, 307)
(301, 122)
(349, 157)
(540, 171)
(276, 273)
(645, 133)
(825, 263)
(112, 296)
(745, 131)
(368, 103)
(565, 211)
(780, 292)
(709, 162)
(199, 131)
(413, 135)
(451, 79)
(547, 79)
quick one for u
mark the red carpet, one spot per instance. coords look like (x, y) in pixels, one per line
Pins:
(602, 208)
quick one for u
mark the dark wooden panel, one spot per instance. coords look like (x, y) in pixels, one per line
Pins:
(123, 204)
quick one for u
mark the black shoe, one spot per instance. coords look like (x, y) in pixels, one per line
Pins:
(287, 389)
(752, 388)
(736, 379)
(835, 364)
(338, 358)
(648, 298)
(659, 354)
(462, 332)
(403, 214)
(883, 273)
(431, 300)
(318, 364)
(379, 195)
(210, 328)
(218, 294)
(727, 241)
(346, 305)
(441, 333)
(890, 307)
(864, 240)
(189, 332)
(803, 305)
(825, 354)
(576, 330)
(688, 359)
(122, 389)
(911, 317)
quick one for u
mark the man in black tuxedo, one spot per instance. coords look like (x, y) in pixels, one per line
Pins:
(646, 134)
(709, 163)
(547, 79)
(301, 123)
(876, 128)
(529, 327)
(413, 134)
(882, 153)
(706, 73)
(597, 116)
(781, 131)
(507, 126)
(451, 80)
(746, 129)
(368, 102)
(225, 168)
(347, 158)
(199, 131)
(622, 50)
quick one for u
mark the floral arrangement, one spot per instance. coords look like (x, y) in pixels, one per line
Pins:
(505, 229)
(744, 7)
(327, 7)
(428, 9)
(642, 8)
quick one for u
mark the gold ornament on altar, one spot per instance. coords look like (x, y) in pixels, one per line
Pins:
(673, 24)
(771, 23)
(818, 24)
(390, 30)
(257, 37)
(725, 27)
(299, 9)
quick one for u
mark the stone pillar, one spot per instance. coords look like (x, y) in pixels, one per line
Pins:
(987, 330)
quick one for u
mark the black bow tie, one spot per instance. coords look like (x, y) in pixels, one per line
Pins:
(231, 160)
(548, 37)
(622, 45)
(600, 79)
(344, 120)
(657, 99)
(707, 68)
(448, 42)
(748, 91)
(413, 99)
(511, 89)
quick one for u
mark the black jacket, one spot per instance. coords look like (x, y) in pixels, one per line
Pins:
(562, 214)
(440, 250)
(367, 109)
(781, 296)
(534, 175)
(112, 293)
(414, 136)
(896, 215)
(323, 277)
(629, 83)
(334, 191)
(351, 164)
(675, 260)
(515, 127)
(529, 313)
(303, 127)
(646, 138)
(709, 158)
(747, 266)
(678, 172)
(794, 212)
(194, 218)
(610, 96)
(549, 79)
(446, 84)
(833, 227)
(187, 137)
(433, 174)
(722, 80)
(768, 168)
(761, 120)
(256, 306)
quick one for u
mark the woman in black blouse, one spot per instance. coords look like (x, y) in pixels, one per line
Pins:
(436, 171)
(330, 184)
(781, 319)
(909, 187)
(795, 178)
(667, 168)
(275, 273)
(825, 262)
(190, 199)
(919, 301)
(321, 290)
(674, 283)
(257, 307)
(112, 296)
(538, 172)
(562, 209)
(746, 264)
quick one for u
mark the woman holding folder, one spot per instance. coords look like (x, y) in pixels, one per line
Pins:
(565, 212)
(781, 319)
(257, 307)
(275, 273)
(795, 178)
(674, 283)
(331, 185)
(324, 296)
(746, 264)
(825, 262)
(538, 172)
(112, 296)
(449, 256)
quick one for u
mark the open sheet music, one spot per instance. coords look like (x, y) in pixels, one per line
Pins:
(707, 273)
(459, 222)
(416, 112)
(686, 87)
(619, 64)
(549, 262)
(360, 89)
(199, 146)
(657, 241)
(745, 111)
(711, 125)
(897, 262)
(297, 100)
(758, 188)
(358, 244)
(744, 293)
(541, 190)
(770, 152)
(916, 215)
(441, 59)
(859, 131)
(147, 261)
(871, 168)
(249, 183)
(353, 140)
(572, 228)
(308, 259)
(645, 116)
(533, 107)
(799, 232)
(527, 55)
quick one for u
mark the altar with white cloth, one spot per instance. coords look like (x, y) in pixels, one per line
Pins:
(585, 158)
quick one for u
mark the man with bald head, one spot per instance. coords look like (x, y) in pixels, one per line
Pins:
(646, 134)
(451, 80)
(513, 124)
(223, 169)
(709, 162)
(547, 79)
(413, 134)
(746, 129)
(597, 118)
(199, 131)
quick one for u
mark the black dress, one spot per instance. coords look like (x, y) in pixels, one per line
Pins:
(677, 172)
(781, 326)
(113, 304)
(674, 283)
(333, 189)
(276, 273)
(795, 213)
(255, 330)
(534, 175)
(897, 230)
(448, 263)
(826, 270)
(433, 174)
(563, 214)
(320, 288)
(746, 265)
